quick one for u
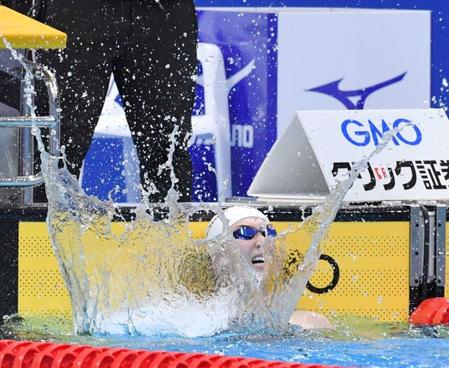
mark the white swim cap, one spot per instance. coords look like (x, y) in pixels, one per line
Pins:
(233, 215)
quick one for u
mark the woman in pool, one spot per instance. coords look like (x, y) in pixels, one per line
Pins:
(251, 230)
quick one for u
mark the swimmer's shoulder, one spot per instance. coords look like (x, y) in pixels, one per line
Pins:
(310, 320)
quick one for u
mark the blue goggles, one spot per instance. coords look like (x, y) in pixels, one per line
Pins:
(248, 232)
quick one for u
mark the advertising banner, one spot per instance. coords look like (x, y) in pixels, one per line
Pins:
(257, 67)
(320, 148)
(236, 98)
(353, 59)
(111, 169)
(234, 117)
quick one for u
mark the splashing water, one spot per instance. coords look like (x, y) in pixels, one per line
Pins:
(147, 277)
(139, 277)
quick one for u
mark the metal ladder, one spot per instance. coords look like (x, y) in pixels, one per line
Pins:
(25, 178)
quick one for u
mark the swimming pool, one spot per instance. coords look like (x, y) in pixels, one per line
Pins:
(353, 343)
(389, 352)
(365, 345)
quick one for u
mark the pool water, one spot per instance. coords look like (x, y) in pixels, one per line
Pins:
(390, 352)
(354, 342)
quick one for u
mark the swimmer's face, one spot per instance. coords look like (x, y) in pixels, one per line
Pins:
(252, 249)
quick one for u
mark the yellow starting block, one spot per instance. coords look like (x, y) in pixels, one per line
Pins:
(23, 32)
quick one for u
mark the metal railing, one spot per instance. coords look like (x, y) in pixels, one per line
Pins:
(26, 178)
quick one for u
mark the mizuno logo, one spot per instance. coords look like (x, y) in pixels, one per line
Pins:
(359, 96)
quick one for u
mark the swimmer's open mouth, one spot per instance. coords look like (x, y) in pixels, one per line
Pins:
(258, 260)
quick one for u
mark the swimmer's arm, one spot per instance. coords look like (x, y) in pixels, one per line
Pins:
(309, 320)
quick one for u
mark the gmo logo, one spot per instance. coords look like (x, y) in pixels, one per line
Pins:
(363, 133)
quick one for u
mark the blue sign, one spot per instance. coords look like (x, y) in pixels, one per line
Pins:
(246, 44)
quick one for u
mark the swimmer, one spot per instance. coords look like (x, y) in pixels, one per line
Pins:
(250, 230)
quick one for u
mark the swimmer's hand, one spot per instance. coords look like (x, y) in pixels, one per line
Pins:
(309, 320)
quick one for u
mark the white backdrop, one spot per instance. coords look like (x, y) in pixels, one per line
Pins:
(364, 47)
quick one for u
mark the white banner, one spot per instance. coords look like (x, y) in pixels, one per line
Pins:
(352, 59)
(319, 148)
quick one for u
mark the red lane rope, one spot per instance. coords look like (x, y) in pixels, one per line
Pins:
(28, 354)
(431, 312)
